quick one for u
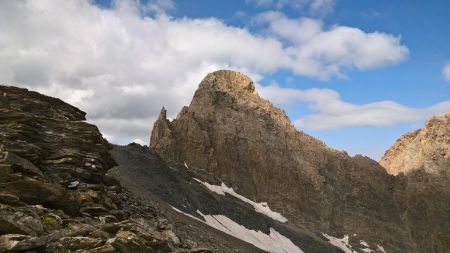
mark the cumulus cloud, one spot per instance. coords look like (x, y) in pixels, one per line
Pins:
(331, 112)
(121, 64)
(318, 52)
(324, 6)
(446, 72)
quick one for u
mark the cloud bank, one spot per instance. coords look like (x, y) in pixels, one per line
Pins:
(122, 64)
(331, 112)
(323, 53)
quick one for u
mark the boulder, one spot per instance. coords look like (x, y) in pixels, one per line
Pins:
(18, 243)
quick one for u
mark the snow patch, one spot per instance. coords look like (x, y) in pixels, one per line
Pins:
(259, 207)
(363, 243)
(190, 216)
(366, 245)
(341, 243)
(185, 165)
(381, 248)
(273, 242)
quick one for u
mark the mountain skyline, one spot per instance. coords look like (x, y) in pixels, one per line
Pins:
(230, 174)
(355, 75)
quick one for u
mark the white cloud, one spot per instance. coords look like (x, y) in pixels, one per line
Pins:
(322, 53)
(122, 66)
(332, 112)
(323, 6)
(446, 72)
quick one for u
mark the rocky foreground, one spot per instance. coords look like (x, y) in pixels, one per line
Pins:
(54, 194)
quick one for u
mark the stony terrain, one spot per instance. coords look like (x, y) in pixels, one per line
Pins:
(54, 194)
(142, 171)
(230, 134)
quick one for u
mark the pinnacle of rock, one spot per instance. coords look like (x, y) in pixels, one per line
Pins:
(228, 80)
(427, 148)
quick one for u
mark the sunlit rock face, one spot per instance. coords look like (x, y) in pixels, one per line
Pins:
(230, 134)
(425, 149)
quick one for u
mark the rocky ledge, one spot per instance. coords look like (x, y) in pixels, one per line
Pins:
(55, 195)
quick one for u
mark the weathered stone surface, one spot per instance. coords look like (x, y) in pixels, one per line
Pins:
(229, 133)
(427, 149)
(35, 192)
(19, 220)
(80, 242)
(54, 195)
(15, 242)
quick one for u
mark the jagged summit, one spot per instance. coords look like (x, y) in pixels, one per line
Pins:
(427, 148)
(227, 89)
(228, 80)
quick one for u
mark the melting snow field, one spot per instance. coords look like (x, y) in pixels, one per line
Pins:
(259, 207)
(344, 244)
(273, 242)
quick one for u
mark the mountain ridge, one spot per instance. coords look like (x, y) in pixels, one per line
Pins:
(236, 137)
(229, 134)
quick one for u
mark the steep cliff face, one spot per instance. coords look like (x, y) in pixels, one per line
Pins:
(55, 195)
(230, 134)
(422, 160)
(427, 148)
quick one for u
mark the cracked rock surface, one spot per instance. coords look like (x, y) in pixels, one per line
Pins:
(55, 195)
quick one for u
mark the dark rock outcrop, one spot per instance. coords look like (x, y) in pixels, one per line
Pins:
(54, 193)
(230, 134)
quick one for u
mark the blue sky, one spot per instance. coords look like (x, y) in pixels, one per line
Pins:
(356, 74)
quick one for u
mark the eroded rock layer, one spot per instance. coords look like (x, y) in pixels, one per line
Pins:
(54, 193)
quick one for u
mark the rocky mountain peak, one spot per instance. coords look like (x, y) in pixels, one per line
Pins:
(225, 90)
(427, 148)
(229, 81)
(230, 135)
